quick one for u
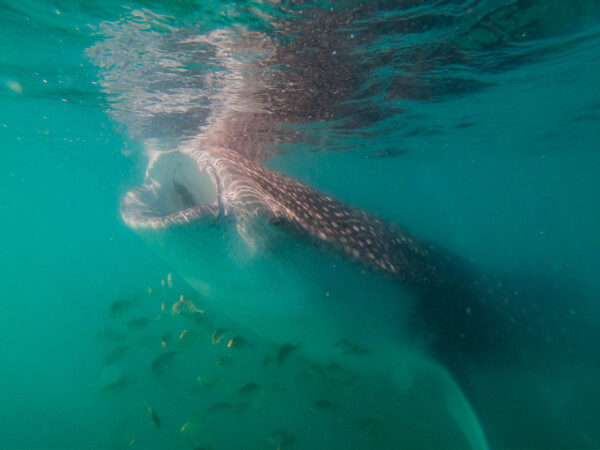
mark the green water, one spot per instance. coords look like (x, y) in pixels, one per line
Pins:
(496, 159)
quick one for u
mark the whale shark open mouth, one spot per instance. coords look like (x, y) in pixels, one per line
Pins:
(177, 190)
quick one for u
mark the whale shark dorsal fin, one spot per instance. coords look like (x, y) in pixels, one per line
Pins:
(414, 365)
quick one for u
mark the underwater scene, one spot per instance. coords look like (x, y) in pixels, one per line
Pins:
(274, 224)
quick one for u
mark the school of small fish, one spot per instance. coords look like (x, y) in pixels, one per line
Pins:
(196, 381)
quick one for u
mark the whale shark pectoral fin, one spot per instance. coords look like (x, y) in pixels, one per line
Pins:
(417, 368)
(463, 414)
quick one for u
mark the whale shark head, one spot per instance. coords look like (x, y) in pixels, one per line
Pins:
(183, 209)
(176, 190)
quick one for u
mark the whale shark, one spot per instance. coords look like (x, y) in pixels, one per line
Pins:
(333, 271)
(294, 264)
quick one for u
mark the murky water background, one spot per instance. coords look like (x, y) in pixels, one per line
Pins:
(472, 124)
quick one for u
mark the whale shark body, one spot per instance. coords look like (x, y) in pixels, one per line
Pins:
(295, 265)
(298, 266)
(261, 212)
(333, 272)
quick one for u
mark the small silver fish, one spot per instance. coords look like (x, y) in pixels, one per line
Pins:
(153, 416)
(285, 351)
(218, 407)
(163, 362)
(249, 388)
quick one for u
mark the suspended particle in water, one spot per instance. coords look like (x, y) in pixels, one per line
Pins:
(14, 86)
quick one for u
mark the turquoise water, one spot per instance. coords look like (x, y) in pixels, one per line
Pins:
(474, 125)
